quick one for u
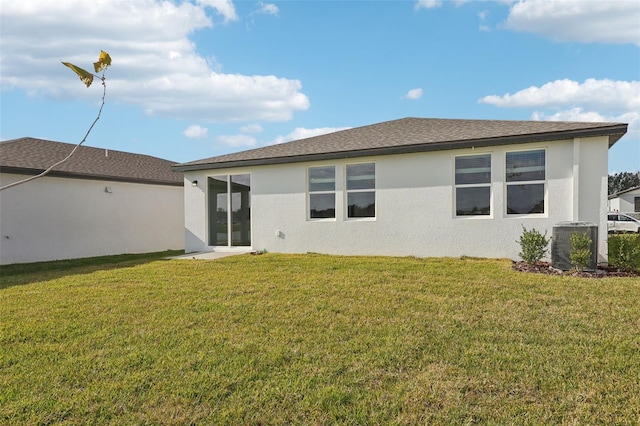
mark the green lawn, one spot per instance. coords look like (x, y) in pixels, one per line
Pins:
(313, 339)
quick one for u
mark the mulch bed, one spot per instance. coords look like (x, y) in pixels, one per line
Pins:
(547, 268)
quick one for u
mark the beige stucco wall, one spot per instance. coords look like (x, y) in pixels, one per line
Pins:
(60, 218)
(415, 205)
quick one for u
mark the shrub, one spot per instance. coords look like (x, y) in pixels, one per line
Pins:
(533, 245)
(580, 254)
(624, 252)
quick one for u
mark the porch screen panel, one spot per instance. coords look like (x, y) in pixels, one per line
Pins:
(241, 210)
(218, 201)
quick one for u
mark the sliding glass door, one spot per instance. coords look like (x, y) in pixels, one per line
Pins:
(229, 210)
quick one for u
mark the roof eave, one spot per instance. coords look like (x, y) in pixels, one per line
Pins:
(71, 175)
(617, 194)
(615, 132)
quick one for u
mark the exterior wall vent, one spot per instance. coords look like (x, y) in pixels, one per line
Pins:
(561, 243)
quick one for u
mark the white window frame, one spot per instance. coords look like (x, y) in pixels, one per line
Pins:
(473, 185)
(348, 191)
(543, 182)
(320, 192)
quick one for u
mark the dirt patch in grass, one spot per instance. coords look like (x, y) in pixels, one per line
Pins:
(548, 269)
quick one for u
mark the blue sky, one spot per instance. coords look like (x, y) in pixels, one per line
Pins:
(195, 79)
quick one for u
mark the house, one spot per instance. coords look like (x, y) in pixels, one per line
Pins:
(408, 187)
(627, 201)
(99, 202)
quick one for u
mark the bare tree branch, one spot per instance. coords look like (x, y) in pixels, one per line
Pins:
(44, 173)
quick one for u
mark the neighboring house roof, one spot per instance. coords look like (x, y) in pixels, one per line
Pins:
(410, 135)
(30, 156)
(617, 194)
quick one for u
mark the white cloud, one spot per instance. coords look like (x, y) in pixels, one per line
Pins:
(223, 7)
(567, 100)
(608, 95)
(578, 20)
(237, 140)
(483, 18)
(196, 132)
(155, 65)
(251, 128)
(432, 4)
(573, 114)
(427, 4)
(302, 133)
(578, 114)
(414, 94)
(268, 8)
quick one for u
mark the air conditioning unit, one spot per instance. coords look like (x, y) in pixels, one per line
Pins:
(561, 243)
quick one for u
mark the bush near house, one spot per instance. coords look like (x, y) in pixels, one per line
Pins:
(313, 339)
(533, 244)
(624, 252)
(580, 254)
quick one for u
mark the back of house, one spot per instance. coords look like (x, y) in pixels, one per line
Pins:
(407, 187)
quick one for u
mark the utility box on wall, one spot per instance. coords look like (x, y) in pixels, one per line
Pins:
(561, 243)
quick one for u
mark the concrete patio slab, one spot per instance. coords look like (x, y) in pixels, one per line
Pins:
(209, 255)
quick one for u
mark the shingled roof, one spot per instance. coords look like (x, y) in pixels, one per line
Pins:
(617, 194)
(410, 135)
(30, 156)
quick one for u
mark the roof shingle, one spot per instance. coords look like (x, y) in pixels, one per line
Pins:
(410, 135)
(32, 156)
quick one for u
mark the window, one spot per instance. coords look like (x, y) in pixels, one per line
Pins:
(526, 181)
(322, 192)
(473, 185)
(361, 194)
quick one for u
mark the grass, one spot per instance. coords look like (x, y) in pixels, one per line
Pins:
(20, 273)
(314, 339)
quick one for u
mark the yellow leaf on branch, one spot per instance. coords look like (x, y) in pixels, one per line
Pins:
(85, 76)
(103, 61)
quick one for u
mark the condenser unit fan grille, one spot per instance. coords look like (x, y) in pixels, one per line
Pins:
(561, 243)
